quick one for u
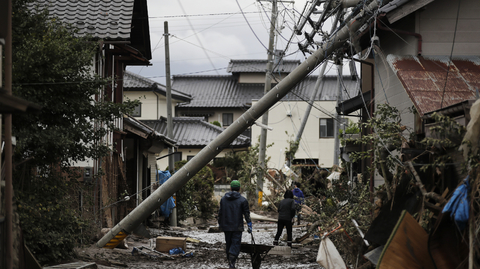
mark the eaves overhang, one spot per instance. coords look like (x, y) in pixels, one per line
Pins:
(436, 82)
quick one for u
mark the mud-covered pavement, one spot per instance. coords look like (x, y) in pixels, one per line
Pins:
(208, 252)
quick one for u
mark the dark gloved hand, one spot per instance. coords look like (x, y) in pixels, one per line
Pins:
(249, 227)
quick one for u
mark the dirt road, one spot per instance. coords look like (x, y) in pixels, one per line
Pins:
(208, 252)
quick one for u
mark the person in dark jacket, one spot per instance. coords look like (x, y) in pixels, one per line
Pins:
(233, 208)
(286, 212)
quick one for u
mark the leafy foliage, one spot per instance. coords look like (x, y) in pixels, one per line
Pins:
(446, 134)
(243, 166)
(53, 67)
(50, 220)
(195, 199)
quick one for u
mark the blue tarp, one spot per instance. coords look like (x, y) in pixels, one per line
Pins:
(166, 208)
(458, 205)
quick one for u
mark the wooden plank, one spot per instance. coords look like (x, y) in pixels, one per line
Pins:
(406, 9)
(407, 246)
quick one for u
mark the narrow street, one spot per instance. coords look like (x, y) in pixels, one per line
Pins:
(207, 253)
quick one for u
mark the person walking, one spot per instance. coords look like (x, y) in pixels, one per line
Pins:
(233, 208)
(286, 212)
(299, 199)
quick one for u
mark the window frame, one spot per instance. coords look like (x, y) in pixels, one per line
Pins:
(224, 121)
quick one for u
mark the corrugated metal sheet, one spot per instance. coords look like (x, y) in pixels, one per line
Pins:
(260, 66)
(134, 82)
(193, 131)
(110, 20)
(430, 86)
(224, 91)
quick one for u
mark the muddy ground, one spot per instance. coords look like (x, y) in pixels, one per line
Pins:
(207, 252)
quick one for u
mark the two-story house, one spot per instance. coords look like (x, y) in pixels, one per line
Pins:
(225, 98)
(121, 29)
(191, 134)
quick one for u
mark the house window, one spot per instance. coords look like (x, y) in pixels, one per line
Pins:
(137, 112)
(326, 128)
(189, 157)
(227, 119)
(177, 157)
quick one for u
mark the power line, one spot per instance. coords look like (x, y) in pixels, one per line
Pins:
(451, 53)
(198, 39)
(203, 15)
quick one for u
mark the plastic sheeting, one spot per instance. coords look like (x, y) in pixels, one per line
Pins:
(458, 205)
(166, 208)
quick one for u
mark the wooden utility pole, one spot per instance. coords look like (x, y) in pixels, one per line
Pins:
(261, 169)
(171, 157)
(318, 86)
(336, 133)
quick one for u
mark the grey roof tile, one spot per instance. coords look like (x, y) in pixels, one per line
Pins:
(193, 131)
(225, 92)
(260, 66)
(107, 19)
(135, 82)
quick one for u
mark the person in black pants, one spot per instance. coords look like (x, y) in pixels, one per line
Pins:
(286, 212)
(233, 208)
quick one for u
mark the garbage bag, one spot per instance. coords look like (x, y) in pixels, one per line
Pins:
(458, 205)
(328, 256)
(166, 208)
(178, 250)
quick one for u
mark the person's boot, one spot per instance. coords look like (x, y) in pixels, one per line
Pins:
(289, 243)
(275, 242)
(231, 261)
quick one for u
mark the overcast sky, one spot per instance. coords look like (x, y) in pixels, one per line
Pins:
(206, 34)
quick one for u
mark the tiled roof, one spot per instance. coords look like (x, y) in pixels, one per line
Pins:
(423, 78)
(110, 20)
(147, 130)
(260, 66)
(224, 91)
(134, 82)
(194, 132)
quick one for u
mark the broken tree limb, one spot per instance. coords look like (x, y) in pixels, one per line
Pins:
(419, 181)
(435, 196)
(275, 181)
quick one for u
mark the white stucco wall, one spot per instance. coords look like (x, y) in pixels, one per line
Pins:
(153, 105)
(311, 146)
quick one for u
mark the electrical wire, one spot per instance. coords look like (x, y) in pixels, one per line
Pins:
(451, 53)
(241, 10)
(198, 39)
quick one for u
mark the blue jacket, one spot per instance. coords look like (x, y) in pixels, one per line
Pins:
(233, 207)
(299, 195)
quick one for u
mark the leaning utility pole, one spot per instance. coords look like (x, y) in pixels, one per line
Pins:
(268, 84)
(171, 160)
(318, 86)
(182, 176)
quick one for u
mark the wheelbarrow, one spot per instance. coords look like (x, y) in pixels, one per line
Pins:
(257, 252)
